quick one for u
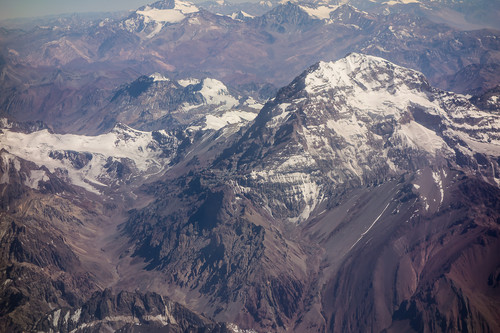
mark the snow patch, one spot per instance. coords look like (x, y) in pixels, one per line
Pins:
(66, 318)
(4, 123)
(252, 103)
(36, 176)
(320, 12)
(371, 226)
(298, 187)
(395, 2)
(348, 128)
(194, 21)
(57, 314)
(215, 122)
(235, 15)
(419, 136)
(9, 160)
(177, 14)
(216, 93)
(157, 77)
(278, 119)
(162, 319)
(439, 182)
(187, 82)
(236, 329)
(107, 320)
(424, 199)
(76, 316)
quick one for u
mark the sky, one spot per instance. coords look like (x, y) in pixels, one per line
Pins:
(31, 8)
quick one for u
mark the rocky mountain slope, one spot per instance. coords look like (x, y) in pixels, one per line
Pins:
(316, 183)
(46, 256)
(60, 209)
(129, 312)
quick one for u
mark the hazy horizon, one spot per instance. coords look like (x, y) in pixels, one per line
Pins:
(25, 9)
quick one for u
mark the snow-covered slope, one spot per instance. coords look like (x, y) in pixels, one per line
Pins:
(355, 122)
(365, 85)
(171, 15)
(93, 162)
(151, 19)
(320, 12)
(158, 102)
(123, 154)
(216, 93)
(227, 109)
(241, 15)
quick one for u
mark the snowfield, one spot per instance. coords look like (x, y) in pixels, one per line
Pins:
(177, 14)
(122, 144)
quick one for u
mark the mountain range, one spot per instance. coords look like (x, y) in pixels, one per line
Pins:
(153, 176)
(56, 73)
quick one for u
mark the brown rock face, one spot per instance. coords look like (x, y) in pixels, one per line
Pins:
(431, 273)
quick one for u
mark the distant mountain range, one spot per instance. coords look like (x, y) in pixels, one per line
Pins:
(154, 178)
(64, 70)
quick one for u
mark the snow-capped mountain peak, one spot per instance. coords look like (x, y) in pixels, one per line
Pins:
(370, 119)
(321, 12)
(151, 19)
(358, 78)
(395, 2)
(372, 72)
(169, 12)
(241, 15)
(368, 85)
(157, 77)
(216, 93)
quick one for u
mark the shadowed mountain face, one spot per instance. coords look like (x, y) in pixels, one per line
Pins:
(359, 197)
